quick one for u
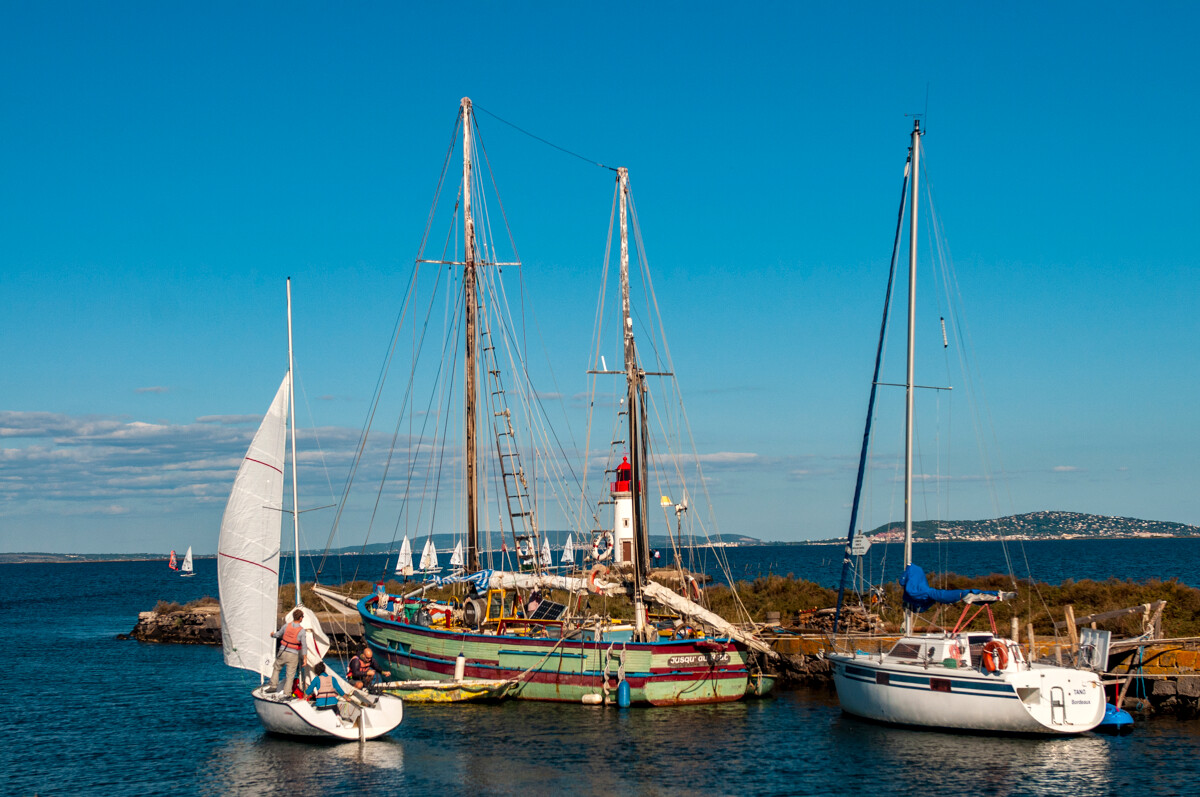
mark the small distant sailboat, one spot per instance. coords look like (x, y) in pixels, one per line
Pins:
(547, 559)
(429, 560)
(186, 569)
(171, 564)
(456, 559)
(248, 586)
(568, 553)
(404, 565)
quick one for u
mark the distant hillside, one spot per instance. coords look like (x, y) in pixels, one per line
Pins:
(1037, 526)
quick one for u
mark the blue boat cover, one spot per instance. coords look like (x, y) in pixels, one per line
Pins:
(480, 580)
(919, 596)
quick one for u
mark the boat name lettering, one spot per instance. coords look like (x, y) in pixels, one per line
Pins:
(693, 659)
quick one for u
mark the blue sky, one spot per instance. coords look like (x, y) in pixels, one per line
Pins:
(166, 166)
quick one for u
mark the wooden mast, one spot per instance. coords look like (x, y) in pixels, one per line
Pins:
(635, 407)
(908, 385)
(469, 308)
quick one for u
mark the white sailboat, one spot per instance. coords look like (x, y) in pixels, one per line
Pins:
(547, 559)
(960, 679)
(186, 568)
(248, 586)
(429, 560)
(568, 552)
(404, 563)
(456, 558)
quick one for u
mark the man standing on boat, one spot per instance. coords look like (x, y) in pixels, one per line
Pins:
(292, 651)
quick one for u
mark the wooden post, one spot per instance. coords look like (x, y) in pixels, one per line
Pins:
(1072, 631)
(1016, 630)
(1058, 653)
(1032, 642)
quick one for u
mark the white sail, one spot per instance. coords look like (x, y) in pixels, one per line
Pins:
(429, 557)
(248, 548)
(404, 565)
(568, 554)
(546, 558)
(456, 559)
(186, 567)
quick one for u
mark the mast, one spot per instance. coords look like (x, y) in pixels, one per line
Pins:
(866, 441)
(469, 308)
(292, 421)
(908, 384)
(636, 412)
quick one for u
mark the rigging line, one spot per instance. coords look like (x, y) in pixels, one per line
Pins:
(585, 503)
(369, 420)
(419, 347)
(544, 141)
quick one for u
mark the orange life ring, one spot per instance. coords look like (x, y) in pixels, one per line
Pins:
(995, 656)
(598, 570)
(692, 588)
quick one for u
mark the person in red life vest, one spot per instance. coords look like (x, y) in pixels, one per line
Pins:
(362, 669)
(324, 688)
(292, 650)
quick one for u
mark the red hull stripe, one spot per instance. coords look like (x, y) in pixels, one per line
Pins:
(247, 561)
(265, 464)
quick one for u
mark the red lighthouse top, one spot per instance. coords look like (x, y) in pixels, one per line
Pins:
(624, 476)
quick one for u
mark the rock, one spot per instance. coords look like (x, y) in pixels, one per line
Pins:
(1188, 686)
(1163, 688)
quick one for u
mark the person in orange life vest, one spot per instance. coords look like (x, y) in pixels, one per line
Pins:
(324, 688)
(292, 650)
(362, 669)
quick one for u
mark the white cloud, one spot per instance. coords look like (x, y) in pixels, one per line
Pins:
(1065, 469)
(156, 389)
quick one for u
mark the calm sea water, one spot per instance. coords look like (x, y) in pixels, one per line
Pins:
(90, 714)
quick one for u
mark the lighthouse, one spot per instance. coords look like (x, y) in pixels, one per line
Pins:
(622, 498)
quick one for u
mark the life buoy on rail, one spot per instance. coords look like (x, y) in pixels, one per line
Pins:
(995, 656)
(955, 651)
(601, 555)
(691, 588)
(598, 570)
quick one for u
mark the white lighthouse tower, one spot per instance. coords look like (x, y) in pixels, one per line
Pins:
(622, 497)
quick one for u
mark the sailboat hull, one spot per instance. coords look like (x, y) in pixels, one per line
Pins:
(1039, 700)
(299, 718)
(667, 673)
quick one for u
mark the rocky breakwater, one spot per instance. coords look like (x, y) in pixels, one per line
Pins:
(199, 623)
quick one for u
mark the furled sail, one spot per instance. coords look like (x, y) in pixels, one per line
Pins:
(248, 548)
(404, 565)
(919, 596)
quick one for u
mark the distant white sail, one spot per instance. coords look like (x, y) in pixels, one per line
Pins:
(429, 557)
(546, 558)
(404, 566)
(248, 548)
(456, 559)
(568, 554)
(186, 567)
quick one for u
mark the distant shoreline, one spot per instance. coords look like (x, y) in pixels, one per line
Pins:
(34, 558)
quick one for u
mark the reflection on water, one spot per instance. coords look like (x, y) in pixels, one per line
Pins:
(99, 716)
